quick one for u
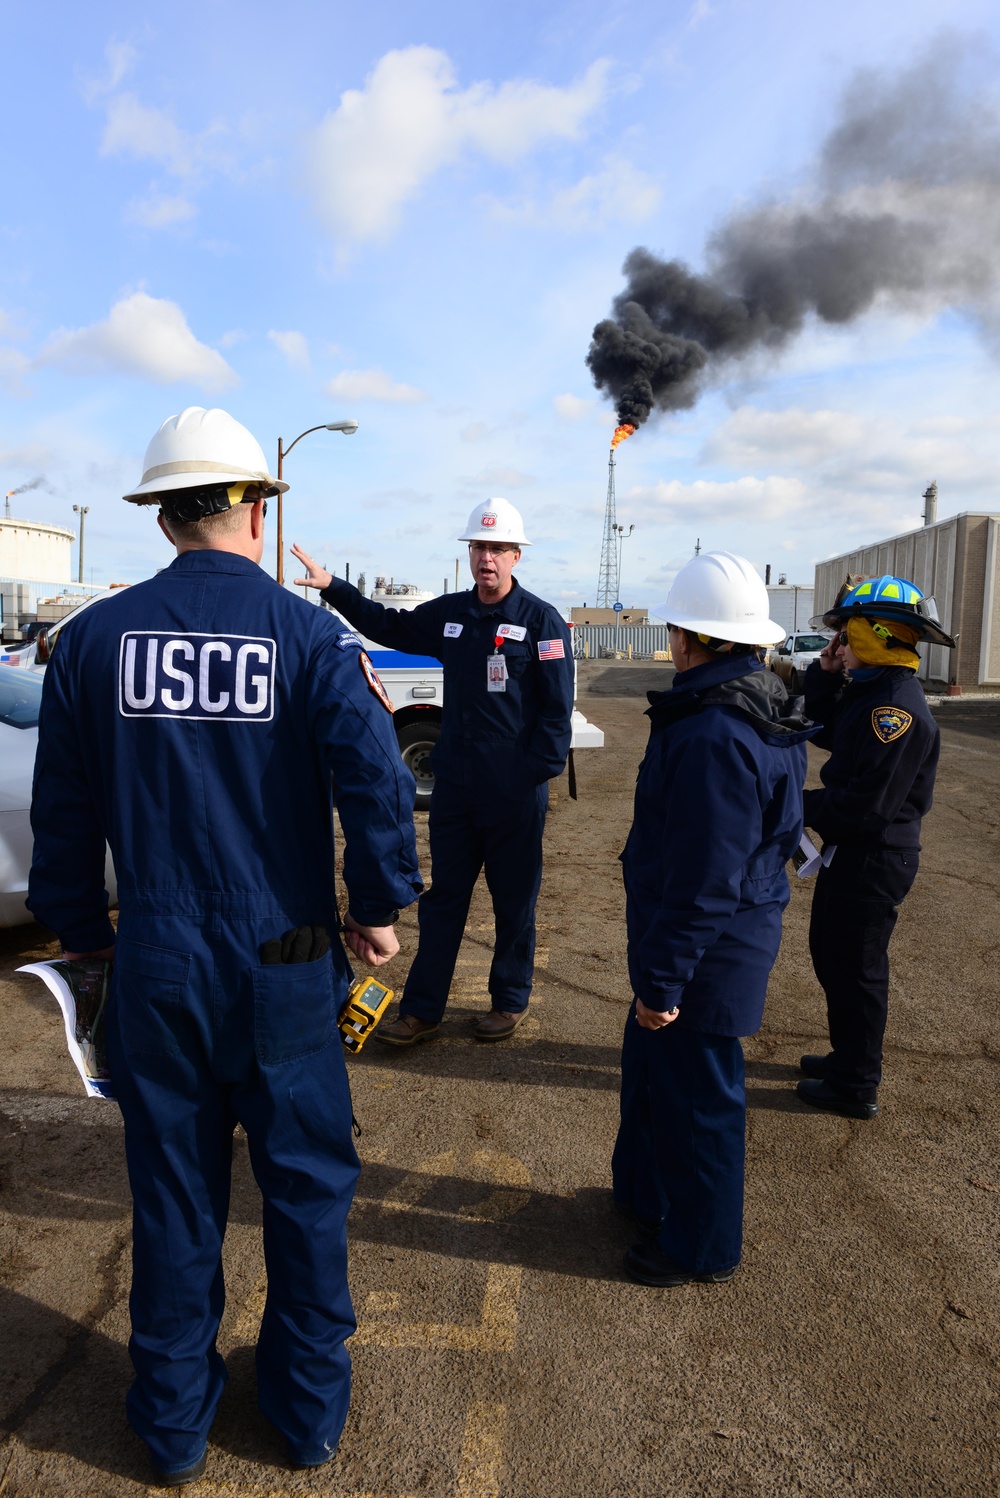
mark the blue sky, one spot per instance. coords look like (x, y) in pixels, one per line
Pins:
(414, 215)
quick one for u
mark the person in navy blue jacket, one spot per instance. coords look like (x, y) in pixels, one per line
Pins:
(718, 812)
(505, 733)
(877, 787)
(194, 721)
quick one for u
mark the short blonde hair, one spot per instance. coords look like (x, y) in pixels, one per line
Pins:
(204, 531)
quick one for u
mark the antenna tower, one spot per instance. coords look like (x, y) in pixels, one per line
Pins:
(607, 581)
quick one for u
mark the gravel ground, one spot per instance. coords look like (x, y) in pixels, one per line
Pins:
(501, 1353)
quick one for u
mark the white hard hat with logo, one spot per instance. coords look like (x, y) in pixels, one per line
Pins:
(200, 447)
(723, 597)
(496, 520)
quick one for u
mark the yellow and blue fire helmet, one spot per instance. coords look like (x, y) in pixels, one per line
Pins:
(893, 599)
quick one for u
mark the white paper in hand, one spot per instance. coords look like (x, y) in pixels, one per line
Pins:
(81, 991)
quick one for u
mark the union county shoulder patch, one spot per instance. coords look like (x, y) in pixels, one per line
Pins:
(890, 723)
(371, 677)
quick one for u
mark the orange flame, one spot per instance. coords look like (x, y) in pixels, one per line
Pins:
(9, 493)
(620, 435)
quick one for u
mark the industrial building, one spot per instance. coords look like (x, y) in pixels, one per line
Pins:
(585, 615)
(955, 561)
(35, 568)
(791, 605)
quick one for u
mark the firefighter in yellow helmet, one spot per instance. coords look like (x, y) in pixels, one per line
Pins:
(877, 787)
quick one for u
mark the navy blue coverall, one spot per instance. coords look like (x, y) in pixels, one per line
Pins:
(496, 753)
(877, 786)
(718, 812)
(194, 721)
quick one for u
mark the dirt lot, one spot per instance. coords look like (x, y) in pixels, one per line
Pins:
(501, 1353)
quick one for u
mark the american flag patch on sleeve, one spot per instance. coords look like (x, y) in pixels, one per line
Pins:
(551, 650)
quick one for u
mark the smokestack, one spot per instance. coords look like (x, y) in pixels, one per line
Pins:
(903, 212)
(347, 572)
(930, 503)
(767, 575)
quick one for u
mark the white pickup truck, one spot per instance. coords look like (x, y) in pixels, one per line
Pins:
(415, 683)
(792, 660)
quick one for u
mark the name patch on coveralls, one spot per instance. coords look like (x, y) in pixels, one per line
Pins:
(162, 674)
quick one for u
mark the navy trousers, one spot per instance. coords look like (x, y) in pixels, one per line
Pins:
(200, 1038)
(473, 829)
(681, 1143)
(854, 910)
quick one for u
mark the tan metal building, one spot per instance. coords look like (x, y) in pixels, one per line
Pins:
(584, 615)
(957, 562)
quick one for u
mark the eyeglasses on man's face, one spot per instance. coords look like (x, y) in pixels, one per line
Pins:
(491, 548)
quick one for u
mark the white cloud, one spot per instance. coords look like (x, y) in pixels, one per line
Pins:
(13, 367)
(476, 431)
(574, 407)
(375, 151)
(794, 437)
(145, 336)
(854, 457)
(11, 327)
(159, 210)
(147, 134)
(499, 478)
(775, 497)
(120, 58)
(33, 457)
(293, 345)
(372, 385)
(618, 193)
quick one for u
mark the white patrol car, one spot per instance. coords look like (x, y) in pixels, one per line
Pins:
(415, 685)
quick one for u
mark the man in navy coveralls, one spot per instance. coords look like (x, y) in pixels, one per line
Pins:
(718, 811)
(194, 721)
(508, 677)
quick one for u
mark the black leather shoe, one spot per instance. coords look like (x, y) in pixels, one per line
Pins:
(647, 1264)
(814, 1066)
(820, 1094)
(186, 1475)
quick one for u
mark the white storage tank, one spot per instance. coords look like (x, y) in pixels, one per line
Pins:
(32, 551)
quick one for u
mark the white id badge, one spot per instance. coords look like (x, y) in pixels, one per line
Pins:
(496, 673)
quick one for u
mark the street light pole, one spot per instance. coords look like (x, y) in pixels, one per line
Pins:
(618, 613)
(348, 427)
(82, 511)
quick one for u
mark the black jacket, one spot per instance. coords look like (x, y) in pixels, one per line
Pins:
(884, 745)
(718, 812)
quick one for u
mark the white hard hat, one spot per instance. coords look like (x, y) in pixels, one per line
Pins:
(200, 447)
(723, 596)
(496, 520)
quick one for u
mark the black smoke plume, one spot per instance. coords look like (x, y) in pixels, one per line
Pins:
(905, 211)
(25, 488)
